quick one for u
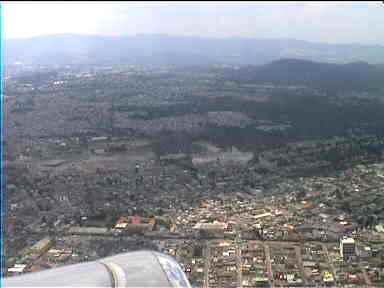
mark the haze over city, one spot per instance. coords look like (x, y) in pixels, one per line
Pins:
(338, 22)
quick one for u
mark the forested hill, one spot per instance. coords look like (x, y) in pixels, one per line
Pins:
(324, 76)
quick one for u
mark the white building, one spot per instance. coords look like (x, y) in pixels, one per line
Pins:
(347, 248)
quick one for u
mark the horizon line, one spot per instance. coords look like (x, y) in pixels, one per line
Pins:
(192, 36)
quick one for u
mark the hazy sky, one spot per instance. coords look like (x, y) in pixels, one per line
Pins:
(325, 22)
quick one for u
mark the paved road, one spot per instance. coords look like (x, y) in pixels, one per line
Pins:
(299, 260)
(238, 260)
(207, 257)
(325, 249)
(268, 260)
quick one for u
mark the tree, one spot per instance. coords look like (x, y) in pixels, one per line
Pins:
(301, 194)
(339, 194)
(347, 206)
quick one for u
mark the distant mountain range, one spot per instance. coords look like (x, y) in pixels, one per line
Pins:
(67, 49)
(323, 76)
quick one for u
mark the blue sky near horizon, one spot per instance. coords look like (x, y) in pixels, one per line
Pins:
(335, 22)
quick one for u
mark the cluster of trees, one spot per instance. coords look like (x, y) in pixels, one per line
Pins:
(324, 76)
(172, 143)
(372, 147)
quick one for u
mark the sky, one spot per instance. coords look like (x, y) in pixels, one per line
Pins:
(336, 22)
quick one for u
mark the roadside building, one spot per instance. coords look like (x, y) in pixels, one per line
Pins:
(121, 223)
(347, 248)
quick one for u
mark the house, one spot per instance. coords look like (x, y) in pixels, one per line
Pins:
(136, 220)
